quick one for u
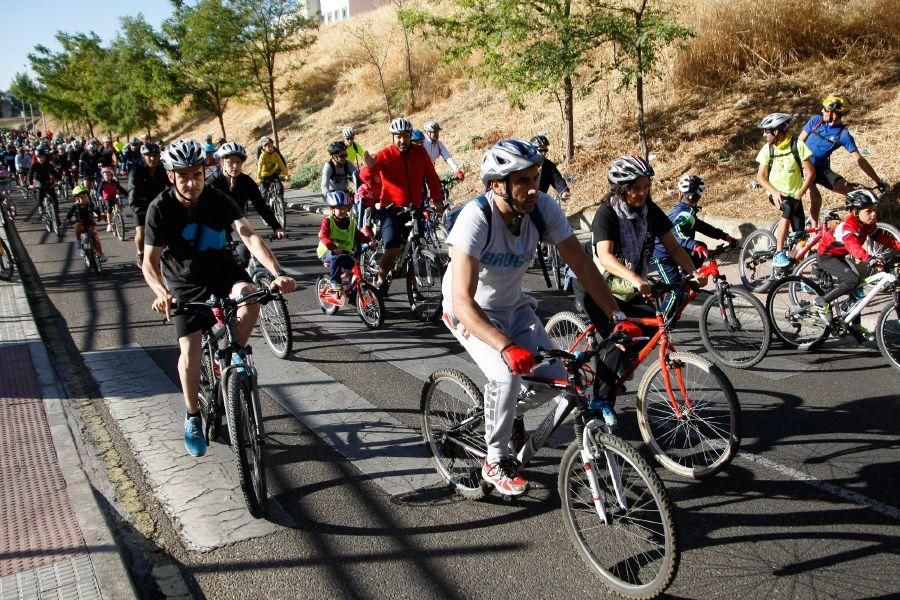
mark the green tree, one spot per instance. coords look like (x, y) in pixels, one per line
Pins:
(205, 44)
(274, 32)
(406, 27)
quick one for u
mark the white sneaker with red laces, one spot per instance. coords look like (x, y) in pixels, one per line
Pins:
(502, 475)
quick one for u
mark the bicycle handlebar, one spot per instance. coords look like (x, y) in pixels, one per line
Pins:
(229, 305)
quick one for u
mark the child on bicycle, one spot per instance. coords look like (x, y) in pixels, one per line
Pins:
(82, 216)
(845, 242)
(338, 237)
(685, 225)
(270, 165)
(107, 192)
(366, 197)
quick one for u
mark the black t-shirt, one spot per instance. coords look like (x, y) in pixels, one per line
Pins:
(605, 227)
(245, 192)
(194, 240)
(143, 187)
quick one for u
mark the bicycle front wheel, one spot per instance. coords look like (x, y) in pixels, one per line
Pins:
(734, 327)
(755, 259)
(119, 224)
(634, 551)
(557, 266)
(795, 318)
(207, 395)
(887, 334)
(808, 268)
(705, 437)
(453, 427)
(275, 322)
(53, 217)
(369, 306)
(279, 208)
(565, 330)
(423, 285)
(245, 443)
(6, 262)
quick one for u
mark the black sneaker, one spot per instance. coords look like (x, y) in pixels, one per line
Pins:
(383, 289)
(140, 260)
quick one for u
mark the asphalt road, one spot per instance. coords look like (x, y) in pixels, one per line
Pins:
(808, 510)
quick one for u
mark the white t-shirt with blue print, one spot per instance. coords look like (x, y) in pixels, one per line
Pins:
(505, 257)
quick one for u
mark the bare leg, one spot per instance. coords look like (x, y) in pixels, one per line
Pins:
(247, 316)
(189, 369)
(815, 204)
(139, 239)
(387, 263)
(781, 232)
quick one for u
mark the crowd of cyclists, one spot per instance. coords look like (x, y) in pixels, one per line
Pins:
(189, 203)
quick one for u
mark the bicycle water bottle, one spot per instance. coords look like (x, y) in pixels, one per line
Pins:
(219, 314)
(859, 293)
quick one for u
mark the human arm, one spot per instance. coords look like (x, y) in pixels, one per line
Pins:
(558, 182)
(435, 192)
(680, 256)
(586, 271)
(153, 276)
(809, 177)
(465, 309)
(713, 232)
(325, 183)
(865, 167)
(251, 191)
(263, 254)
(762, 178)
(325, 237)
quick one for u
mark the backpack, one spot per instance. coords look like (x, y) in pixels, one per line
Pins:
(794, 153)
(485, 208)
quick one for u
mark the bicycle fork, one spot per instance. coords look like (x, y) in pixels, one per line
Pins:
(588, 459)
(667, 370)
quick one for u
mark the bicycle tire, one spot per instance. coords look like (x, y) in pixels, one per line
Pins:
(873, 247)
(446, 407)
(707, 436)
(321, 285)
(45, 217)
(246, 450)
(423, 289)
(647, 521)
(558, 266)
(208, 395)
(737, 332)
(755, 259)
(793, 316)
(808, 268)
(887, 334)
(564, 327)
(278, 206)
(7, 264)
(275, 322)
(369, 306)
(119, 224)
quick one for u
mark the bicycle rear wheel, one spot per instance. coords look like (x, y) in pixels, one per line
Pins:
(275, 322)
(755, 259)
(564, 329)
(423, 285)
(795, 319)
(246, 444)
(874, 247)
(557, 266)
(453, 427)
(369, 306)
(208, 395)
(887, 333)
(6, 262)
(705, 438)
(635, 551)
(808, 268)
(735, 331)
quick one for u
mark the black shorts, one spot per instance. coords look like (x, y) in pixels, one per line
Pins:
(139, 215)
(826, 177)
(792, 210)
(192, 292)
(394, 227)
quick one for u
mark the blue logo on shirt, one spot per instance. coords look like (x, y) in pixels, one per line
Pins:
(503, 259)
(208, 239)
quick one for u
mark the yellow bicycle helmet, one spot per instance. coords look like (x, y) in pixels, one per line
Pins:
(837, 104)
(78, 190)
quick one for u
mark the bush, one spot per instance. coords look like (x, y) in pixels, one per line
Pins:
(307, 175)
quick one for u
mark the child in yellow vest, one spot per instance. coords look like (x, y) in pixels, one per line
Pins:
(338, 237)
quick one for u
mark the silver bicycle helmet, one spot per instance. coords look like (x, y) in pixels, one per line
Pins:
(775, 121)
(265, 140)
(348, 132)
(508, 157)
(432, 126)
(691, 186)
(400, 125)
(149, 148)
(231, 149)
(337, 198)
(540, 141)
(183, 154)
(628, 169)
(861, 199)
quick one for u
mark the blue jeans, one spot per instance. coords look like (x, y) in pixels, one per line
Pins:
(340, 264)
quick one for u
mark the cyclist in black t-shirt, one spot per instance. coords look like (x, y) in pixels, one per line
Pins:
(186, 259)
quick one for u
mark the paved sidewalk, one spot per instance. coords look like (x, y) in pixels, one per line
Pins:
(54, 540)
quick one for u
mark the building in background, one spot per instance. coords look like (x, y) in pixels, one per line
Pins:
(332, 11)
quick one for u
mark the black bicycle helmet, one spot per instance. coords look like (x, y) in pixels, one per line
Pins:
(861, 199)
(336, 147)
(691, 186)
(150, 148)
(540, 141)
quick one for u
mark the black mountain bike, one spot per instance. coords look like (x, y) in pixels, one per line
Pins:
(229, 390)
(275, 199)
(49, 209)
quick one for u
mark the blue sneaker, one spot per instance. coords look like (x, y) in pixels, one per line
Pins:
(194, 440)
(605, 409)
(781, 260)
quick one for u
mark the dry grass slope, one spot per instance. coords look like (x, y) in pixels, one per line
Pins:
(749, 57)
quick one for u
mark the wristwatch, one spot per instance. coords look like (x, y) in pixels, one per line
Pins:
(618, 316)
(281, 273)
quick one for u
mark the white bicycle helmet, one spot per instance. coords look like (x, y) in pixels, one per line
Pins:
(861, 199)
(183, 154)
(264, 140)
(400, 125)
(231, 149)
(348, 132)
(432, 126)
(508, 157)
(628, 169)
(691, 186)
(775, 121)
(338, 198)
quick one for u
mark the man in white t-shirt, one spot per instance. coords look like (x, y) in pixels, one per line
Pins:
(484, 305)
(436, 148)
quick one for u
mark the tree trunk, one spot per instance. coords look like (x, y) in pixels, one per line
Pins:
(221, 115)
(569, 102)
(274, 128)
(270, 101)
(639, 84)
(409, 71)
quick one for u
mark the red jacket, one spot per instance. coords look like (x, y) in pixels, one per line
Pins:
(402, 176)
(850, 235)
